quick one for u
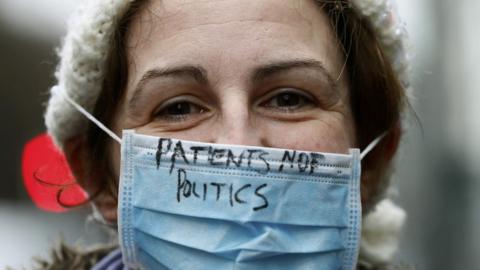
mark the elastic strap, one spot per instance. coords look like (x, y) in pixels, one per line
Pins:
(372, 145)
(97, 216)
(90, 117)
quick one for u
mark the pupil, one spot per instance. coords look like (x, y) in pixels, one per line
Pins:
(288, 100)
(179, 108)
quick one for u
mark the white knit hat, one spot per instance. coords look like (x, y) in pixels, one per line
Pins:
(81, 72)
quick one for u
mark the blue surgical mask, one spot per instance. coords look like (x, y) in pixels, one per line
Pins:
(193, 205)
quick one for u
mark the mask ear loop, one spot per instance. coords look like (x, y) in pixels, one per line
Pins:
(97, 216)
(372, 145)
(90, 117)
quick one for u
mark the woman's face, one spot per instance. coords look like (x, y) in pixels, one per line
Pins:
(263, 73)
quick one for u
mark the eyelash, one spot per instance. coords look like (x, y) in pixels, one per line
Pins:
(303, 97)
(165, 114)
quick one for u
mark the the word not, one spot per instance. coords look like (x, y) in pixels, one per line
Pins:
(305, 162)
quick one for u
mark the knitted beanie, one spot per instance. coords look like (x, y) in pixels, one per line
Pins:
(81, 72)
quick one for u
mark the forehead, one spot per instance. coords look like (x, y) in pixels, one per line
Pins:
(219, 33)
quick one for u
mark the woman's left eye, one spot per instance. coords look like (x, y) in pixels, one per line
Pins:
(288, 100)
(179, 110)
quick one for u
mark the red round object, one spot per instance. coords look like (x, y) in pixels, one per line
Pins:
(48, 178)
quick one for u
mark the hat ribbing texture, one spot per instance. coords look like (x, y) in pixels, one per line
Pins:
(81, 70)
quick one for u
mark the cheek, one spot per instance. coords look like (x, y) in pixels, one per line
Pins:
(314, 135)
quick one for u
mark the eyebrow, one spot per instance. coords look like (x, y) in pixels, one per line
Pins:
(200, 75)
(196, 73)
(270, 70)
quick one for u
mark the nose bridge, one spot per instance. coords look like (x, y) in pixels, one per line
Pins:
(236, 124)
(238, 132)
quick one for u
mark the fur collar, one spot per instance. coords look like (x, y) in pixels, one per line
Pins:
(66, 257)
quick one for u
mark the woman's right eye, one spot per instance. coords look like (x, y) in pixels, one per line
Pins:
(179, 110)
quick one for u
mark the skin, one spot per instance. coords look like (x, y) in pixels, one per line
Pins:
(262, 73)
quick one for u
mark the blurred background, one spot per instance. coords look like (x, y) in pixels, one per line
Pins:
(437, 174)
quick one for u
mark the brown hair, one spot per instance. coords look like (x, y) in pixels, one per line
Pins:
(377, 97)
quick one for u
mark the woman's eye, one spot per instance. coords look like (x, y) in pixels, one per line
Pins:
(179, 111)
(288, 100)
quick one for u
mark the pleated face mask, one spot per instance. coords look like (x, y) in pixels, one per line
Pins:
(193, 205)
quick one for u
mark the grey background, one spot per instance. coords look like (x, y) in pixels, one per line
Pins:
(437, 173)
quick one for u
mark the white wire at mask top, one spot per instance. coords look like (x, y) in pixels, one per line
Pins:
(92, 118)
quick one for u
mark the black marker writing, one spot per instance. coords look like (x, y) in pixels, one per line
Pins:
(231, 158)
(261, 153)
(181, 183)
(194, 190)
(257, 192)
(237, 194)
(197, 149)
(177, 152)
(315, 161)
(204, 191)
(160, 150)
(303, 161)
(287, 157)
(231, 195)
(214, 155)
(219, 187)
(188, 189)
